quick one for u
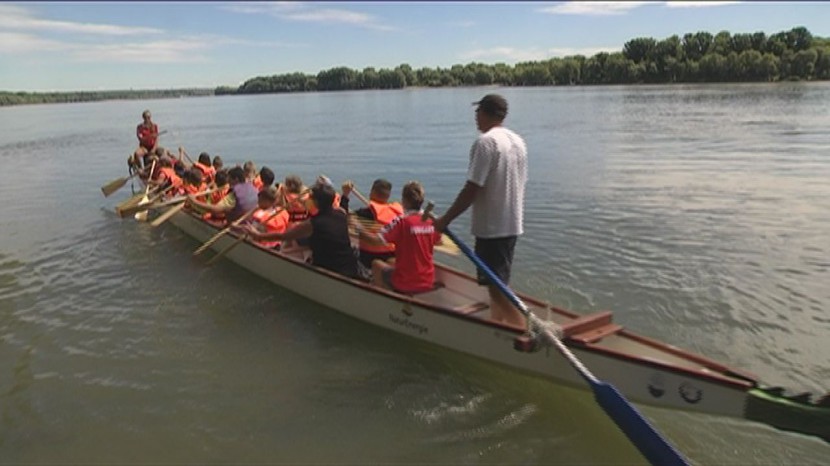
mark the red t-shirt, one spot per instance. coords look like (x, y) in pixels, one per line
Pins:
(414, 239)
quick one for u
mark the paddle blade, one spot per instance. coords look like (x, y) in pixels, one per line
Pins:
(114, 186)
(641, 433)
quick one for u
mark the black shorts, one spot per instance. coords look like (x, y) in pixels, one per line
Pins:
(497, 253)
(366, 258)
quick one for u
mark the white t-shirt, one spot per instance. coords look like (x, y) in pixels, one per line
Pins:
(498, 164)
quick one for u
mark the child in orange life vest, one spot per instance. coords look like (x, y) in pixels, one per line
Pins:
(269, 218)
(222, 189)
(218, 164)
(193, 183)
(167, 177)
(379, 213)
(264, 179)
(208, 172)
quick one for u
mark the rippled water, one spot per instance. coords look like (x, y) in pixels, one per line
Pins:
(699, 214)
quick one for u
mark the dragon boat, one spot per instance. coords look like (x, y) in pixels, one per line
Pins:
(456, 315)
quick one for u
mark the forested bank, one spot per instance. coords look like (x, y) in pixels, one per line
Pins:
(19, 98)
(699, 57)
(694, 58)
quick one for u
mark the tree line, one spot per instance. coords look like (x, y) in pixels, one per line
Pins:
(694, 58)
(19, 98)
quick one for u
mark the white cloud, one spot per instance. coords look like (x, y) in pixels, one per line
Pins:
(593, 8)
(15, 42)
(14, 17)
(305, 12)
(163, 51)
(697, 4)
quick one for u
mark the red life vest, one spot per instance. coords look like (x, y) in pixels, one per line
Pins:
(384, 214)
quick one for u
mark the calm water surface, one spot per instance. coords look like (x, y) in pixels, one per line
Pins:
(699, 214)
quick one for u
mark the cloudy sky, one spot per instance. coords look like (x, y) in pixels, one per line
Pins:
(94, 45)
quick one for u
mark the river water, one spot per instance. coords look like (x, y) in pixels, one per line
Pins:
(699, 214)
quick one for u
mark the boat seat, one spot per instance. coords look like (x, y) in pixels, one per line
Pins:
(596, 334)
(583, 324)
(471, 308)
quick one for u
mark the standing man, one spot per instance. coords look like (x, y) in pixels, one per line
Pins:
(147, 133)
(495, 187)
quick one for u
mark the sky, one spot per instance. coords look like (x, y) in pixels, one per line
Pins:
(72, 46)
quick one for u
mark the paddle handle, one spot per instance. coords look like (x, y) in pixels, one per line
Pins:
(222, 233)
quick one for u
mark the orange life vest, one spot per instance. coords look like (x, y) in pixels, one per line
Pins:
(384, 214)
(170, 175)
(208, 172)
(258, 183)
(191, 189)
(271, 223)
(297, 211)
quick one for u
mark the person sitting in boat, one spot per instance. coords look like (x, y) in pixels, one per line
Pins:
(194, 184)
(250, 171)
(264, 179)
(147, 133)
(241, 198)
(412, 270)
(218, 164)
(323, 179)
(269, 218)
(379, 213)
(203, 165)
(327, 234)
(221, 189)
(167, 177)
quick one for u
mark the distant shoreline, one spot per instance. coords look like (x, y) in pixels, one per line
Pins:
(696, 58)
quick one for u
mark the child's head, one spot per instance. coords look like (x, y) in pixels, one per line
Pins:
(267, 198)
(204, 159)
(250, 169)
(381, 190)
(266, 176)
(221, 178)
(194, 176)
(412, 195)
(217, 163)
(323, 196)
(236, 175)
(293, 184)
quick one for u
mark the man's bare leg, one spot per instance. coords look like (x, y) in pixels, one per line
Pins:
(502, 310)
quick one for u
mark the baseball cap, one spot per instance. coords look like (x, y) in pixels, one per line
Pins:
(493, 104)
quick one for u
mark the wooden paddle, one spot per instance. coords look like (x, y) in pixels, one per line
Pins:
(652, 446)
(222, 233)
(142, 216)
(129, 209)
(240, 239)
(167, 214)
(446, 245)
(116, 184)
